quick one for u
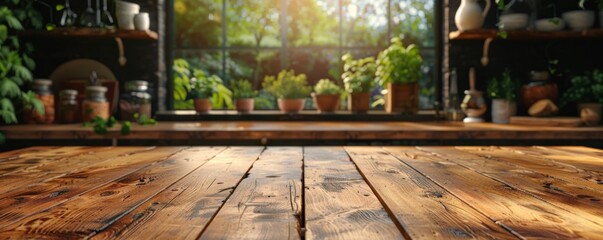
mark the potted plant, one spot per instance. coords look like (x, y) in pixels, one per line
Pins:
(503, 92)
(399, 70)
(244, 95)
(207, 92)
(587, 91)
(326, 96)
(358, 78)
(290, 90)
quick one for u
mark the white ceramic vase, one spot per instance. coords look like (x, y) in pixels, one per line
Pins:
(502, 110)
(142, 21)
(470, 15)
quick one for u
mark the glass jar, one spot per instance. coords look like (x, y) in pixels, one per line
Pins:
(68, 107)
(41, 87)
(95, 104)
(135, 100)
(538, 88)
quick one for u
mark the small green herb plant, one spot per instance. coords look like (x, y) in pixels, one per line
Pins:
(242, 89)
(326, 87)
(358, 75)
(212, 87)
(503, 88)
(585, 88)
(287, 85)
(398, 64)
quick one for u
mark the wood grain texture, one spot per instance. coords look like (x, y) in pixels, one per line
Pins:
(523, 214)
(50, 167)
(559, 170)
(585, 161)
(28, 161)
(15, 154)
(339, 204)
(85, 214)
(572, 198)
(266, 204)
(43, 195)
(184, 209)
(310, 130)
(422, 208)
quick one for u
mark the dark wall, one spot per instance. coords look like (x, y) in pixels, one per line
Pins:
(520, 56)
(144, 59)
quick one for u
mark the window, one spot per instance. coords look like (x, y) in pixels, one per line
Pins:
(249, 39)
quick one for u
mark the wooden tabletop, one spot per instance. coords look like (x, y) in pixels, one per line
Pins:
(301, 192)
(307, 130)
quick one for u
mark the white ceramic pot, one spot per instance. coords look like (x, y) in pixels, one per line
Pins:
(579, 20)
(502, 110)
(123, 6)
(142, 21)
(514, 21)
(125, 20)
(470, 15)
(549, 24)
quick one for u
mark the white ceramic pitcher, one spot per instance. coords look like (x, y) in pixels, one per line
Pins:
(470, 16)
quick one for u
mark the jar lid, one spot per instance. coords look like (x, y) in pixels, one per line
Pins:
(42, 82)
(96, 89)
(68, 92)
(137, 85)
(539, 75)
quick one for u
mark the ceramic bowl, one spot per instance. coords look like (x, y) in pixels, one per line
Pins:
(514, 21)
(125, 20)
(123, 6)
(550, 24)
(580, 19)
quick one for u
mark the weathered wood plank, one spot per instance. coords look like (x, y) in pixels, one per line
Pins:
(18, 153)
(51, 169)
(31, 160)
(585, 202)
(584, 161)
(422, 208)
(44, 195)
(525, 215)
(85, 214)
(339, 204)
(183, 210)
(266, 204)
(558, 170)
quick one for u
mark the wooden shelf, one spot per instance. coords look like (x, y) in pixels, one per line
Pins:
(482, 34)
(92, 33)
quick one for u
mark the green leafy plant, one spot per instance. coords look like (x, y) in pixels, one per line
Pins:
(399, 64)
(144, 119)
(358, 75)
(15, 63)
(242, 89)
(287, 85)
(326, 86)
(503, 88)
(585, 88)
(212, 87)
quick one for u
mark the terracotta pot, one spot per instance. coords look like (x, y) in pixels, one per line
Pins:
(202, 105)
(402, 98)
(359, 102)
(534, 92)
(291, 105)
(327, 103)
(244, 105)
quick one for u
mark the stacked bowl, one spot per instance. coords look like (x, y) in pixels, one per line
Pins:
(125, 12)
